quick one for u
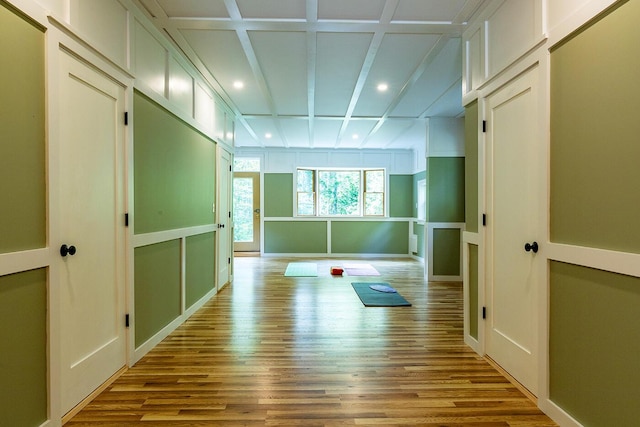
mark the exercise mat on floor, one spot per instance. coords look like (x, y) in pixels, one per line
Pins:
(301, 269)
(360, 270)
(373, 298)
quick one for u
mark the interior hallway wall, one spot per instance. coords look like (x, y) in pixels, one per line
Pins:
(594, 315)
(23, 221)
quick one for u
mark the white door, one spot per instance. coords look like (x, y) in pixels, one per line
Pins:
(515, 200)
(91, 192)
(224, 231)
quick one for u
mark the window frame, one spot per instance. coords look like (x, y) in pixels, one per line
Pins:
(361, 192)
(313, 193)
(365, 192)
(421, 205)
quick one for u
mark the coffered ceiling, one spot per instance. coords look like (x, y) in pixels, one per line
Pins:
(312, 73)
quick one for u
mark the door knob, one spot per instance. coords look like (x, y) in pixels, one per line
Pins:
(531, 247)
(67, 250)
(257, 211)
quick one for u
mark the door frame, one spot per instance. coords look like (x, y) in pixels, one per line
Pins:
(257, 233)
(59, 38)
(539, 59)
(224, 239)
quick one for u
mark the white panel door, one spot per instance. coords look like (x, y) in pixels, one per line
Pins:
(515, 200)
(91, 191)
(224, 232)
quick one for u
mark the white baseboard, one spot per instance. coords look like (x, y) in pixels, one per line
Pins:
(164, 332)
(557, 414)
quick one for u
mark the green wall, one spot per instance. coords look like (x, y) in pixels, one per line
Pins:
(594, 315)
(594, 345)
(594, 134)
(295, 237)
(401, 196)
(157, 288)
(22, 134)
(371, 237)
(174, 171)
(200, 272)
(174, 187)
(445, 186)
(445, 203)
(416, 177)
(473, 291)
(278, 195)
(471, 167)
(23, 216)
(446, 251)
(23, 359)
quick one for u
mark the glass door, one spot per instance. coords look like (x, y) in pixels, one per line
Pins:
(246, 212)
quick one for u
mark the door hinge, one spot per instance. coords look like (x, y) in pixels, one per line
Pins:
(228, 260)
(126, 220)
(126, 118)
(229, 214)
(484, 312)
(229, 168)
(126, 320)
(484, 220)
(484, 126)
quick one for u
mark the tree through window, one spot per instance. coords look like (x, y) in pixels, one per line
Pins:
(340, 192)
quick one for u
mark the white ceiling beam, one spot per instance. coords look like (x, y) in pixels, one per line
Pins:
(312, 47)
(418, 72)
(247, 47)
(452, 86)
(416, 27)
(468, 11)
(387, 13)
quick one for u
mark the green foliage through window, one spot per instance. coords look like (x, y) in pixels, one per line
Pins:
(306, 192)
(243, 209)
(374, 192)
(246, 164)
(338, 192)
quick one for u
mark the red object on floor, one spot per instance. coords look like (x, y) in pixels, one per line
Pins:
(337, 271)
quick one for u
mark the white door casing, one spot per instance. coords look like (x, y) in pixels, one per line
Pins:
(515, 196)
(224, 235)
(91, 190)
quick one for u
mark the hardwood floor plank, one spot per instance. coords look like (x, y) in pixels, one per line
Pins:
(271, 350)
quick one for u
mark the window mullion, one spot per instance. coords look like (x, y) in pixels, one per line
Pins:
(316, 199)
(363, 190)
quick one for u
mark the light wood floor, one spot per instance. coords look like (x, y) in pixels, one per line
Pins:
(290, 351)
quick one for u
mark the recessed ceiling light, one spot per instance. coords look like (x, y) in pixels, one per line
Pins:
(355, 136)
(382, 87)
(268, 135)
(238, 84)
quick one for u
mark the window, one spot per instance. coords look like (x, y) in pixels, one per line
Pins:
(340, 192)
(306, 191)
(246, 164)
(374, 192)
